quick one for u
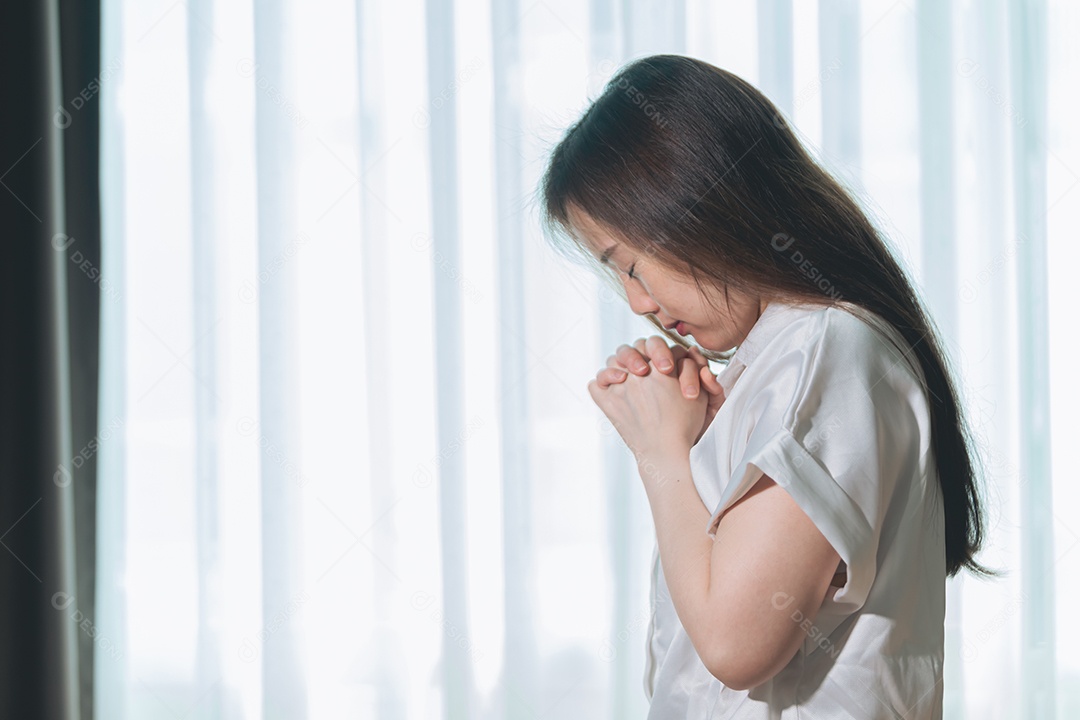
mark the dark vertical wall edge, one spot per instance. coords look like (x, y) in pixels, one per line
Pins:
(47, 456)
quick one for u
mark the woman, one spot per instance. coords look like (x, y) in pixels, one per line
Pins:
(829, 465)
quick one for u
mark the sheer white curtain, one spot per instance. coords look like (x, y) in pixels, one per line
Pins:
(357, 472)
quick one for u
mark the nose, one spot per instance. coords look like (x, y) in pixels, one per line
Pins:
(640, 300)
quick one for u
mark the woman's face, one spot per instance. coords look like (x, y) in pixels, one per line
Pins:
(671, 295)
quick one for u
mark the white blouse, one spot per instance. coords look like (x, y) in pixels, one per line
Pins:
(821, 401)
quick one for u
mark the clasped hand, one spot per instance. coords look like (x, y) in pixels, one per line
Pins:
(662, 411)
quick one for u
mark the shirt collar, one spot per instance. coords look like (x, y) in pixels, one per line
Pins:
(772, 319)
(768, 325)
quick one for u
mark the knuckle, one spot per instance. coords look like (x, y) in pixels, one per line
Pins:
(661, 351)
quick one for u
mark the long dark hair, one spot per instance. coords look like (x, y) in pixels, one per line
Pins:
(695, 167)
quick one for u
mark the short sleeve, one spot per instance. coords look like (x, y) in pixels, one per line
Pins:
(835, 421)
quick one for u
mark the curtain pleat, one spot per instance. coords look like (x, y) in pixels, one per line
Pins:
(839, 49)
(283, 655)
(205, 310)
(77, 45)
(776, 47)
(390, 673)
(520, 694)
(111, 671)
(457, 690)
(1027, 46)
(938, 271)
(986, 329)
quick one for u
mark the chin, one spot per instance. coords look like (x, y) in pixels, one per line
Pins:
(703, 342)
(710, 344)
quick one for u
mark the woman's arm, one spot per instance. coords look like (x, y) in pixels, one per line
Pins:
(743, 597)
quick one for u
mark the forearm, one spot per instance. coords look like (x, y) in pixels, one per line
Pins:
(685, 549)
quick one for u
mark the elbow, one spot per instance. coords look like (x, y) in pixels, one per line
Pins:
(735, 675)
(744, 666)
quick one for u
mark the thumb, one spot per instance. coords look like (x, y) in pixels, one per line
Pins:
(709, 381)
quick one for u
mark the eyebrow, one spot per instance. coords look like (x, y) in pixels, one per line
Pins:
(607, 254)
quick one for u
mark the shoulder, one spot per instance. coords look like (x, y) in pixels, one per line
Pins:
(803, 327)
(807, 360)
(839, 364)
(846, 338)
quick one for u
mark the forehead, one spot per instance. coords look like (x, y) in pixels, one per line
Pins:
(599, 241)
